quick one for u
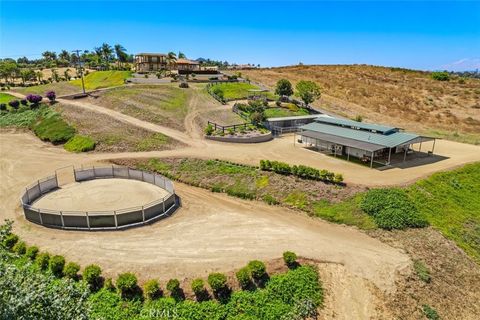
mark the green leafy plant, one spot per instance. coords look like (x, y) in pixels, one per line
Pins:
(173, 285)
(71, 270)
(284, 88)
(209, 130)
(56, 265)
(108, 285)
(151, 289)
(243, 277)
(217, 281)
(20, 247)
(198, 286)
(430, 313)
(92, 275)
(290, 258)
(422, 271)
(80, 144)
(10, 240)
(31, 252)
(308, 91)
(127, 284)
(54, 129)
(440, 76)
(42, 260)
(257, 269)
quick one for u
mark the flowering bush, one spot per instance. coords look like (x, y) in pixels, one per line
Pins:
(34, 98)
(14, 104)
(51, 96)
(24, 102)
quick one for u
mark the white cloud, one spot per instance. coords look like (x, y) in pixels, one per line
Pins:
(465, 64)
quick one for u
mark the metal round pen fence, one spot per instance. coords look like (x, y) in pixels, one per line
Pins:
(99, 220)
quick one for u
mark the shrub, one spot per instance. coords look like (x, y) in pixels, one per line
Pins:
(51, 96)
(34, 99)
(91, 275)
(257, 269)
(31, 252)
(422, 271)
(198, 286)
(14, 104)
(338, 178)
(10, 240)
(440, 76)
(290, 258)
(430, 313)
(270, 200)
(183, 85)
(20, 247)
(108, 285)
(392, 209)
(209, 130)
(56, 265)
(217, 281)
(42, 260)
(243, 277)
(80, 144)
(24, 102)
(284, 88)
(53, 129)
(173, 285)
(127, 283)
(3, 106)
(71, 270)
(151, 289)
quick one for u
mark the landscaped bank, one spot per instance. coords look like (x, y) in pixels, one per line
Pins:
(37, 285)
(447, 201)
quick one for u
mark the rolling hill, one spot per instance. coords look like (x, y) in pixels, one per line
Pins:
(405, 98)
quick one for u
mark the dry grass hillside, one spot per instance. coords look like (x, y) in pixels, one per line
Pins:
(405, 98)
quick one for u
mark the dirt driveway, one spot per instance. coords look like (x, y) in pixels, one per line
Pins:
(209, 232)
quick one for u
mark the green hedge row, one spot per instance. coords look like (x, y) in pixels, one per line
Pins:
(301, 171)
(39, 286)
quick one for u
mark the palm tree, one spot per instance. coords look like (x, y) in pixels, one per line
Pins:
(171, 58)
(121, 53)
(107, 52)
(64, 55)
(181, 55)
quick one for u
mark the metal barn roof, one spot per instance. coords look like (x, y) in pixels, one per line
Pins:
(385, 140)
(355, 124)
(308, 116)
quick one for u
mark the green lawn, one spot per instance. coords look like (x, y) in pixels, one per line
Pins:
(285, 112)
(451, 203)
(238, 90)
(103, 79)
(60, 88)
(6, 98)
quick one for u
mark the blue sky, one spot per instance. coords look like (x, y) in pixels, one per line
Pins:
(422, 35)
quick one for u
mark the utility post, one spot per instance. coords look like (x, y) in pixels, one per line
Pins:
(80, 69)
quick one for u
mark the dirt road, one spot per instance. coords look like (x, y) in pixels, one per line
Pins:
(209, 232)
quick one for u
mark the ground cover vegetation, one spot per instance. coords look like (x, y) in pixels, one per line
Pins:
(111, 135)
(249, 182)
(160, 104)
(446, 201)
(103, 79)
(409, 99)
(46, 287)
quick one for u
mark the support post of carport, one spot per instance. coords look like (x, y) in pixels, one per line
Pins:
(348, 153)
(371, 161)
(433, 148)
(405, 153)
(389, 154)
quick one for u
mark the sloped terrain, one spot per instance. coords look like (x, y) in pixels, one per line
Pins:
(404, 98)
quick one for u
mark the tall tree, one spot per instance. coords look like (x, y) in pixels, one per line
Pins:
(49, 56)
(171, 59)
(64, 55)
(308, 91)
(121, 54)
(181, 55)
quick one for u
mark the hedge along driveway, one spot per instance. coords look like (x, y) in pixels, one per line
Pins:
(251, 183)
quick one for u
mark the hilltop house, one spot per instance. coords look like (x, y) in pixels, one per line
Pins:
(149, 62)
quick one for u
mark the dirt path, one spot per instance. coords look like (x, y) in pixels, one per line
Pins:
(283, 149)
(209, 232)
